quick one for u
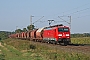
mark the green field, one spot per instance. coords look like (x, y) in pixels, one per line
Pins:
(81, 40)
(14, 49)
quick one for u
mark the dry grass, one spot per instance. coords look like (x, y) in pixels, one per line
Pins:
(21, 50)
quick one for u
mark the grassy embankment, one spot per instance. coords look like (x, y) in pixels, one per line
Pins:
(14, 49)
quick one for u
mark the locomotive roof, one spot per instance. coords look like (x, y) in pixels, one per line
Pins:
(60, 25)
(55, 26)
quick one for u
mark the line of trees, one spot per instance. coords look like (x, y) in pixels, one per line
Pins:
(29, 27)
(4, 34)
(80, 35)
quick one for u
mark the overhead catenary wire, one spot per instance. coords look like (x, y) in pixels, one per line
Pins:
(38, 20)
(77, 7)
(70, 10)
(81, 17)
(70, 14)
(76, 11)
(79, 11)
(63, 20)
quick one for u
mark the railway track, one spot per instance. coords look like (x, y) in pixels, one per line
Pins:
(78, 48)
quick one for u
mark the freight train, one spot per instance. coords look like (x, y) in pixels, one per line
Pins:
(56, 34)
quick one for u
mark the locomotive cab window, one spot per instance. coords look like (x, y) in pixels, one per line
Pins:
(63, 29)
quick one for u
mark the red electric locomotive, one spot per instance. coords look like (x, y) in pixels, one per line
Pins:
(57, 34)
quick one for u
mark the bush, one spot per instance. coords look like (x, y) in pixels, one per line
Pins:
(32, 46)
(2, 56)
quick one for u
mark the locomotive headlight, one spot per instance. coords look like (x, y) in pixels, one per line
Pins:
(60, 35)
(67, 34)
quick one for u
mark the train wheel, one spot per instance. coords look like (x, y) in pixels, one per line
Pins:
(55, 43)
(48, 42)
(65, 42)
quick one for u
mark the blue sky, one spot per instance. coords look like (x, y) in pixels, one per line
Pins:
(17, 13)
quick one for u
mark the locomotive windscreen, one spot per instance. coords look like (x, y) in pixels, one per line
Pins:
(63, 29)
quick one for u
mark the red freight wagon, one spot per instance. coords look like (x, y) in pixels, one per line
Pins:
(33, 34)
(28, 35)
(25, 35)
(18, 35)
(39, 33)
(12, 36)
(22, 34)
(57, 34)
